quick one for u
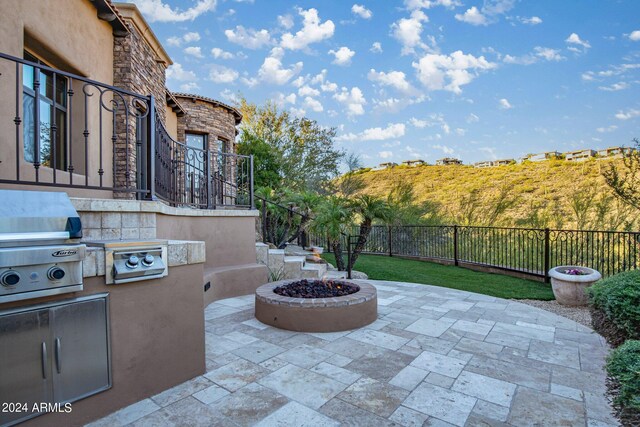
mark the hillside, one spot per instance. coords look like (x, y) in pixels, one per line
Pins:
(556, 194)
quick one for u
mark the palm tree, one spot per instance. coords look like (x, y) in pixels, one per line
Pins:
(369, 209)
(333, 218)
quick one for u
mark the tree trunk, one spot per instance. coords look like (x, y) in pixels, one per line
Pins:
(365, 230)
(336, 247)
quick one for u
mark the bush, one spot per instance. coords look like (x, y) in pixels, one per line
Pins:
(623, 367)
(615, 305)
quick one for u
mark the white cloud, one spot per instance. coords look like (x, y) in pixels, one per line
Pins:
(312, 31)
(428, 4)
(248, 37)
(272, 70)
(472, 118)
(575, 40)
(385, 154)
(444, 148)
(614, 70)
(629, 114)
(615, 87)
(221, 74)
(393, 105)
(221, 54)
(420, 124)
(634, 36)
(408, 31)
(539, 53)
(308, 91)
(158, 11)
(285, 21)
(472, 16)
(189, 87)
(395, 79)
(607, 129)
(313, 104)
(342, 56)
(176, 72)
(376, 47)
(450, 72)
(534, 20)
(298, 112)
(361, 11)
(352, 99)
(504, 104)
(230, 96)
(194, 51)
(282, 99)
(186, 38)
(392, 131)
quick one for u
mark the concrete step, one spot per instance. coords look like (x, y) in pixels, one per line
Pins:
(335, 274)
(276, 259)
(262, 253)
(313, 271)
(293, 266)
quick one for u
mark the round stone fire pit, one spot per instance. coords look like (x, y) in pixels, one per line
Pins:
(331, 314)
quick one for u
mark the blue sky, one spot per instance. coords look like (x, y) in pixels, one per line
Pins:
(400, 80)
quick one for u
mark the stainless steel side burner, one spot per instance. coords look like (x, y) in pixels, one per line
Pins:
(131, 260)
(40, 253)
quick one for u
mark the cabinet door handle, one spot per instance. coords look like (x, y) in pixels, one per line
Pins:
(44, 360)
(57, 354)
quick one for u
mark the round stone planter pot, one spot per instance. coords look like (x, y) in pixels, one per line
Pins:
(569, 288)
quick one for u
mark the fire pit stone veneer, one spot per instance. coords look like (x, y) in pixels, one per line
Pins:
(316, 314)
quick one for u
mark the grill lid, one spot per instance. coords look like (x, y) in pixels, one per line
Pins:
(37, 215)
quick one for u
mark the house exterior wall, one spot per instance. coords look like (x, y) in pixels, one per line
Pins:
(204, 117)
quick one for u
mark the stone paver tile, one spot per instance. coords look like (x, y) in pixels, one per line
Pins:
(215, 311)
(402, 319)
(378, 324)
(509, 372)
(409, 378)
(301, 339)
(255, 323)
(374, 396)
(181, 391)
(305, 356)
(236, 375)
(339, 360)
(237, 302)
(381, 339)
(564, 391)
(534, 408)
(411, 351)
(536, 326)
(352, 349)
(481, 348)
(469, 316)
(211, 394)
(408, 417)
(127, 415)
(439, 380)
(306, 387)
(485, 388)
(295, 414)
(554, 353)
(446, 405)
(524, 331)
(273, 364)
(352, 416)
(216, 345)
(579, 337)
(250, 404)
(491, 305)
(586, 381)
(381, 366)
(460, 355)
(329, 336)
(439, 363)
(339, 374)
(435, 345)
(429, 327)
(508, 340)
(258, 351)
(598, 423)
(240, 338)
(476, 328)
(491, 411)
(185, 412)
(457, 305)
(598, 408)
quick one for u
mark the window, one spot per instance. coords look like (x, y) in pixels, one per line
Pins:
(195, 140)
(52, 110)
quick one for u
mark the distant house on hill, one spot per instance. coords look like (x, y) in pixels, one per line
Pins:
(485, 164)
(413, 163)
(447, 161)
(491, 163)
(580, 155)
(615, 152)
(541, 157)
(382, 166)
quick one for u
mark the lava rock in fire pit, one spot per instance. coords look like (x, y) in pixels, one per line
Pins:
(316, 289)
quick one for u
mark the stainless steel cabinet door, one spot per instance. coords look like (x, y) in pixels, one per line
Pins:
(25, 362)
(80, 349)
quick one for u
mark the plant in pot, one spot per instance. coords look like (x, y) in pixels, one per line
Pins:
(569, 282)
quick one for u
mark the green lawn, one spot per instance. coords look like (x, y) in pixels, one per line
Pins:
(403, 270)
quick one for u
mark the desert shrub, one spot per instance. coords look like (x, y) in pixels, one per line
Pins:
(623, 367)
(615, 303)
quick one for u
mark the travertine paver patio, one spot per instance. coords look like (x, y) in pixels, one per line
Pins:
(435, 357)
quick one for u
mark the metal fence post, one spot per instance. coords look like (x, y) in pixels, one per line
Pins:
(455, 245)
(547, 255)
(264, 221)
(253, 203)
(151, 159)
(207, 172)
(349, 257)
(390, 242)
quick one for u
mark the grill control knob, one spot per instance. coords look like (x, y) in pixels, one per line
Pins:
(148, 260)
(133, 261)
(55, 273)
(9, 278)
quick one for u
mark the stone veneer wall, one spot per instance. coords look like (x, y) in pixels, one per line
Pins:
(136, 68)
(204, 117)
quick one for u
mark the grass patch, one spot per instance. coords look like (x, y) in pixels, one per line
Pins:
(403, 270)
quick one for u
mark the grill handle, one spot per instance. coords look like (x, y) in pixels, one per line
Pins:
(44, 359)
(57, 354)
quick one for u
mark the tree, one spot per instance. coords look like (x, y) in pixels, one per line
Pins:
(333, 220)
(625, 180)
(369, 209)
(351, 182)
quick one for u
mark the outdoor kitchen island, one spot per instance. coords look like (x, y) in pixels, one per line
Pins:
(150, 337)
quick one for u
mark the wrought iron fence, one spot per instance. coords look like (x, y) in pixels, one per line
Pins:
(200, 178)
(71, 131)
(527, 251)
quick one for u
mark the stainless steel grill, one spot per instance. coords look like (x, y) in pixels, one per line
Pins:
(131, 260)
(40, 253)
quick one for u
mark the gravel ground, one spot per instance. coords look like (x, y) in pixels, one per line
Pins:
(577, 314)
